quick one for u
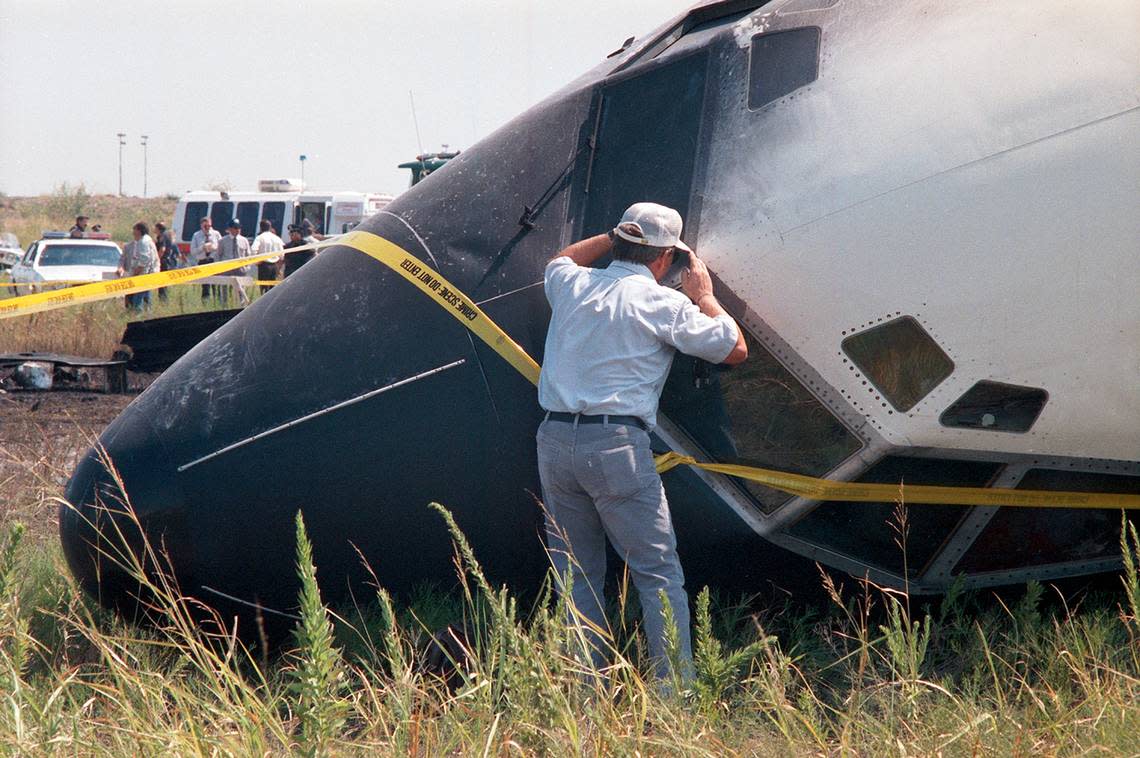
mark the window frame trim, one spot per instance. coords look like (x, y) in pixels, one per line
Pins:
(772, 33)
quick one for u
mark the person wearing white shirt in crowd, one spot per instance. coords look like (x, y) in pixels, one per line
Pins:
(268, 242)
(139, 257)
(204, 243)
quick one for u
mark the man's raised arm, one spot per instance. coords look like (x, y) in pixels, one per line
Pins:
(584, 252)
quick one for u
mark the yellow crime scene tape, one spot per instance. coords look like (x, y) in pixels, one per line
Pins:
(128, 285)
(74, 282)
(451, 299)
(446, 295)
(863, 492)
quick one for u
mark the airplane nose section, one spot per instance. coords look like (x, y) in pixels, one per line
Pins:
(96, 525)
(345, 394)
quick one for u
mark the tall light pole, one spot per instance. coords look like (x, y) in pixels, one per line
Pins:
(121, 143)
(303, 158)
(144, 139)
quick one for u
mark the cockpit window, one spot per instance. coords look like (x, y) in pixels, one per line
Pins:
(869, 532)
(782, 62)
(900, 359)
(756, 414)
(996, 407)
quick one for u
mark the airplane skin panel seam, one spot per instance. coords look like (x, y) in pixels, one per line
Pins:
(937, 576)
(960, 166)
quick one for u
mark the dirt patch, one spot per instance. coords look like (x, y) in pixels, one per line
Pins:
(42, 437)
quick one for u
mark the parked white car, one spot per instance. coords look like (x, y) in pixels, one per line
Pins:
(58, 257)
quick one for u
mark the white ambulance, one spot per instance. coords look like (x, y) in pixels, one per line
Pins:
(281, 201)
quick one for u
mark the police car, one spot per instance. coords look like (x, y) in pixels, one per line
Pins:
(59, 257)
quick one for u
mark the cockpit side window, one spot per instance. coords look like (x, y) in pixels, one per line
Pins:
(782, 62)
(757, 414)
(900, 359)
(996, 407)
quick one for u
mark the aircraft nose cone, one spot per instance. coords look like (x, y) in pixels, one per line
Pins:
(345, 394)
(97, 525)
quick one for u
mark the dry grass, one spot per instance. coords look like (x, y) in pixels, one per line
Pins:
(28, 217)
(94, 329)
(42, 436)
(975, 675)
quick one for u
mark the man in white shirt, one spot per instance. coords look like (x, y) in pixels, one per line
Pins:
(612, 336)
(204, 243)
(268, 242)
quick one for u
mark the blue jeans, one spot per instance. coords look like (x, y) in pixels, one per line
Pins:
(598, 481)
(139, 301)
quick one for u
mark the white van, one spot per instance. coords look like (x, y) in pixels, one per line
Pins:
(281, 201)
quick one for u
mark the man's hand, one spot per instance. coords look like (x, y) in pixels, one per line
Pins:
(696, 281)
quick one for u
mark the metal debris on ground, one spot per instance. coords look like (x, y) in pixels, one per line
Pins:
(46, 371)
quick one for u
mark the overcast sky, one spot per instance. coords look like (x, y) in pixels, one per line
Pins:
(235, 90)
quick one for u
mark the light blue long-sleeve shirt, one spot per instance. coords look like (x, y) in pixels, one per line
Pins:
(612, 337)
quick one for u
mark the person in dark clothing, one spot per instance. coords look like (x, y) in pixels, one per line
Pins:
(209, 290)
(167, 248)
(167, 252)
(80, 228)
(294, 261)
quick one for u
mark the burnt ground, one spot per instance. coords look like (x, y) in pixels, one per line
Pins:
(42, 436)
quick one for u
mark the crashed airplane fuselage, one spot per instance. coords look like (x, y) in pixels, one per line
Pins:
(923, 213)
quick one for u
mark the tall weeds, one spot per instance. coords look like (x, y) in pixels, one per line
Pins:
(318, 673)
(872, 675)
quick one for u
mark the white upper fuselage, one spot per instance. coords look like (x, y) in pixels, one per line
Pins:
(982, 176)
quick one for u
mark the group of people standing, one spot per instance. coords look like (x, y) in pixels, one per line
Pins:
(146, 254)
(208, 245)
